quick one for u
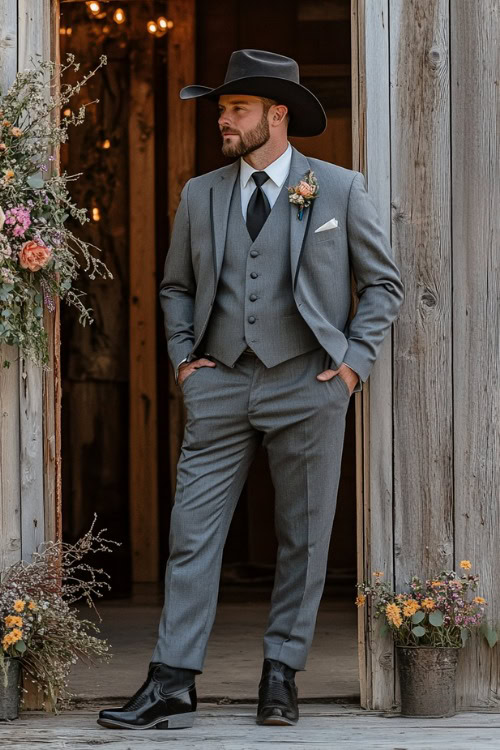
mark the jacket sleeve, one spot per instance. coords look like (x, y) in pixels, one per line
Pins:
(378, 281)
(178, 288)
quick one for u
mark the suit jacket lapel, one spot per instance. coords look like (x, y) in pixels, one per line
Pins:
(219, 214)
(298, 168)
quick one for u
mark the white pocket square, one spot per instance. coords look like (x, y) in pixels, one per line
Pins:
(332, 224)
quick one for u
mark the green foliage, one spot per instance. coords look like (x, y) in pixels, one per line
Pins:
(40, 258)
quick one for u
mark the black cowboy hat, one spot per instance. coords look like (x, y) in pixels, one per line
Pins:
(260, 73)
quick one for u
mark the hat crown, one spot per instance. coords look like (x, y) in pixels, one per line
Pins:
(256, 62)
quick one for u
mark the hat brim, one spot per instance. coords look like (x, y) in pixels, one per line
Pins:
(307, 116)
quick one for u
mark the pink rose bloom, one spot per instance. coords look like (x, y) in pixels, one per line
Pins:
(305, 189)
(33, 256)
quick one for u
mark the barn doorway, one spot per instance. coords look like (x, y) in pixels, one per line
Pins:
(121, 417)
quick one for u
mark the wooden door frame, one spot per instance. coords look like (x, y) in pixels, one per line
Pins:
(374, 458)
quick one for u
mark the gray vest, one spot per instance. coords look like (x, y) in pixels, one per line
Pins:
(254, 305)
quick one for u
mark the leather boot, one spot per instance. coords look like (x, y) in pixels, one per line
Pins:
(166, 700)
(277, 695)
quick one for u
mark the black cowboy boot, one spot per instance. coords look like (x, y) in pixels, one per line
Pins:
(277, 694)
(166, 700)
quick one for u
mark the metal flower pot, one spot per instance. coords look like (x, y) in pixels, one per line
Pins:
(10, 694)
(427, 680)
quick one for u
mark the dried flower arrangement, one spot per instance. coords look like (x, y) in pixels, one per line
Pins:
(440, 612)
(39, 624)
(39, 257)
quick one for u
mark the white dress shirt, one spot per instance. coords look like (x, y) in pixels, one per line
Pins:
(277, 172)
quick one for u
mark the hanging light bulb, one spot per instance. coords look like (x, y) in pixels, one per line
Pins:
(94, 7)
(67, 112)
(152, 27)
(119, 15)
(162, 22)
(106, 143)
(95, 213)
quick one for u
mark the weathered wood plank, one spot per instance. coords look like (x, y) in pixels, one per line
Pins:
(371, 131)
(181, 165)
(51, 382)
(420, 159)
(234, 728)
(31, 38)
(143, 486)
(475, 48)
(10, 479)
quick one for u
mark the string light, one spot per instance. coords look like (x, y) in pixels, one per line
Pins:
(67, 112)
(160, 26)
(95, 214)
(119, 15)
(94, 7)
(106, 143)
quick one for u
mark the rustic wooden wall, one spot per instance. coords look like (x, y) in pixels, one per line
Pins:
(29, 400)
(426, 104)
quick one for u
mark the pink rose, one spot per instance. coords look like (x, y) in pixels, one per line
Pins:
(303, 188)
(33, 256)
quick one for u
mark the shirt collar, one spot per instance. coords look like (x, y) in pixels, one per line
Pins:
(277, 171)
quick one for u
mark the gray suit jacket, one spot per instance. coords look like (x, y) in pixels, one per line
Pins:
(320, 264)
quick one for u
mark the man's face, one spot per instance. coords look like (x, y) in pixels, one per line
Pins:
(243, 124)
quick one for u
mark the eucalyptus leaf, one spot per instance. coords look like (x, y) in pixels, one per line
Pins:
(419, 631)
(20, 646)
(384, 628)
(436, 618)
(418, 617)
(35, 181)
(490, 634)
(464, 634)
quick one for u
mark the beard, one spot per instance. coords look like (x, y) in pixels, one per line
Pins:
(250, 141)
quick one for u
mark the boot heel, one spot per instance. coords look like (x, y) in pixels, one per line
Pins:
(178, 721)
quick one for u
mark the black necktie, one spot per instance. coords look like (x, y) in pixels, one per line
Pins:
(258, 207)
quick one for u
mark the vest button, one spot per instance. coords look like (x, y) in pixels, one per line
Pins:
(253, 253)
(253, 275)
(253, 297)
(251, 319)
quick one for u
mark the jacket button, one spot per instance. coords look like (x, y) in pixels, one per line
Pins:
(253, 297)
(254, 253)
(251, 319)
(253, 275)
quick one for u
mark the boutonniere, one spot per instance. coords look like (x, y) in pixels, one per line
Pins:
(304, 193)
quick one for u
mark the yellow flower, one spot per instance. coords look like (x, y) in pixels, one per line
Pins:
(19, 605)
(479, 600)
(410, 607)
(33, 606)
(6, 124)
(7, 640)
(437, 583)
(16, 634)
(378, 573)
(466, 564)
(393, 614)
(360, 600)
(8, 175)
(428, 604)
(12, 620)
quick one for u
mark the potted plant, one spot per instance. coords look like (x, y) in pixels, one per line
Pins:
(41, 632)
(429, 623)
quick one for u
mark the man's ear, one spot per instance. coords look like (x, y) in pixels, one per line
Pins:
(279, 114)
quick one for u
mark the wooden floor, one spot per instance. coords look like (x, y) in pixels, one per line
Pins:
(219, 727)
(234, 657)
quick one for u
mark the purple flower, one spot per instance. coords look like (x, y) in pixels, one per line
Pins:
(19, 219)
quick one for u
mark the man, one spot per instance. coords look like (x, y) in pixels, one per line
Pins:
(256, 297)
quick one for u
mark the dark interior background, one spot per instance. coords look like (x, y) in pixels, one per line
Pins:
(95, 359)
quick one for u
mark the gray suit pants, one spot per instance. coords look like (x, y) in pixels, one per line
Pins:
(303, 423)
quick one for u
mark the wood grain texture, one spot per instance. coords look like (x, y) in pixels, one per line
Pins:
(233, 727)
(10, 478)
(421, 234)
(181, 165)
(143, 486)
(371, 134)
(476, 356)
(33, 45)
(51, 380)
